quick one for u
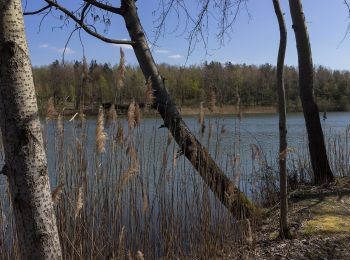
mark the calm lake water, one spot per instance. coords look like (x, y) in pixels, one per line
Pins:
(172, 186)
(233, 136)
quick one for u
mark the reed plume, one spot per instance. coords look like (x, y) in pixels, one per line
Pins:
(139, 255)
(256, 152)
(85, 70)
(201, 118)
(170, 139)
(82, 117)
(111, 115)
(131, 151)
(149, 96)
(236, 161)
(121, 71)
(56, 194)
(130, 174)
(51, 112)
(174, 160)
(212, 102)
(120, 134)
(238, 107)
(193, 148)
(137, 115)
(121, 246)
(101, 135)
(131, 115)
(134, 167)
(80, 202)
(59, 126)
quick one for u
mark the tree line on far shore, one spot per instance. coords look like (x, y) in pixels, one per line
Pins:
(254, 84)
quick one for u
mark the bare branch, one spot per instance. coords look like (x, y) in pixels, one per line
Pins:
(347, 5)
(224, 13)
(86, 27)
(82, 17)
(67, 42)
(105, 7)
(37, 11)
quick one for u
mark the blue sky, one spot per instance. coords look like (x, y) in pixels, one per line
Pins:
(253, 40)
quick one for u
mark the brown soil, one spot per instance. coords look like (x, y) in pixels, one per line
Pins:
(319, 219)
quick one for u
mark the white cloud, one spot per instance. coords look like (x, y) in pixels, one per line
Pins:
(175, 56)
(55, 49)
(67, 51)
(124, 46)
(162, 51)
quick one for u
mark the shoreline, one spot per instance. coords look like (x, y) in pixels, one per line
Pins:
(190, 111)
(186, 111)
(227, 110)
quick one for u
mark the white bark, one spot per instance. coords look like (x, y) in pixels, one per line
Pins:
(26, 164)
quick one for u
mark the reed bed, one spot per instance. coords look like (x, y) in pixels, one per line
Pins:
(121, 191)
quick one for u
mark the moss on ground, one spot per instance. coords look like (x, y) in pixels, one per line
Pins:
(326, 225)
(319, 219)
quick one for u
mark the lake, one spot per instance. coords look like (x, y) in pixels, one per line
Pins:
(230, 137)
(139, 187)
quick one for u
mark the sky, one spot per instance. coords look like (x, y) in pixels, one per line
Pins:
(254, 37)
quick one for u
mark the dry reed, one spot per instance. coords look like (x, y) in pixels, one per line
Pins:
(60, 126)
(101, 135)
(51, 112)
(80, 202)
(111, 116)
(85, 70)
(121, 71)
(120, 134)
(131, 115)
(149, 96)
(212, 102)
(56, 194)
(238, 107)
(148, 200)
(137, 115)
(201, 118)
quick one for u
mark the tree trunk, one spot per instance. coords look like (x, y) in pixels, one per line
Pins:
(320, 165)
(284, 232)
(232, 198)
(26, 164)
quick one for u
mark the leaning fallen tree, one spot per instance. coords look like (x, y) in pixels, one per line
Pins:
(223, 188)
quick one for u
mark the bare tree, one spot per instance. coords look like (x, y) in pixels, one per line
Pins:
(224, 189)
(26, 164)
(222, 13)
(284, 232)
(318, 155)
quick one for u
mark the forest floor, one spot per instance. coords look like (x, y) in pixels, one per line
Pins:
(319, 219)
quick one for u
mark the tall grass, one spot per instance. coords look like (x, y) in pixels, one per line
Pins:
(132, 196)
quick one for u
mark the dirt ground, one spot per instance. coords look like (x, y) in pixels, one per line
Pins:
(319, 219)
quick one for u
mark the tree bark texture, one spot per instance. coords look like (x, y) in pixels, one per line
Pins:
(284, 232)
(224, 189)
(319, 160)
(26, 164)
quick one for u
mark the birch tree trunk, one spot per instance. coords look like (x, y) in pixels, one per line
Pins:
(224, 189)
(319, 160)
(26, 164)
(284, 232)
